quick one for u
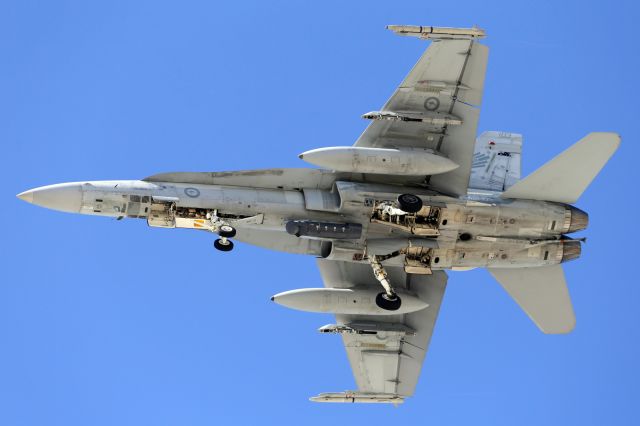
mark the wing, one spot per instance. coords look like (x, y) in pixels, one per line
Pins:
(440, 99)
(385, 352)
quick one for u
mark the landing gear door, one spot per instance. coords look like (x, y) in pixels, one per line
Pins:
(162, 213)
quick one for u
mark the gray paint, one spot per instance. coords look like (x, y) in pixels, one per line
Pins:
(353, 224)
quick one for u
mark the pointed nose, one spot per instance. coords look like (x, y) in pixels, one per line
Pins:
(26, 196)
(66, 197)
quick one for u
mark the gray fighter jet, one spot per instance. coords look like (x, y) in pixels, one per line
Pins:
(416, 195)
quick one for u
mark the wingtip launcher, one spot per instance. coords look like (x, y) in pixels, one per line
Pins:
(437, 33)
(358, 397)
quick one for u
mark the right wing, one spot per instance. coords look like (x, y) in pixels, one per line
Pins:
(385, 352)
(445, 89)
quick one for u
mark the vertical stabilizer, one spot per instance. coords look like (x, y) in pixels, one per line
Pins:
(565, 178)
(496, 161)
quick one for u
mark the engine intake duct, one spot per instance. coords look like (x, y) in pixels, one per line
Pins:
(330, 230)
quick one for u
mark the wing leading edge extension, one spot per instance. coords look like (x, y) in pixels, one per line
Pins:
(385, 352)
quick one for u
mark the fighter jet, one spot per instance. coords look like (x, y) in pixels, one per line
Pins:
(416, 195)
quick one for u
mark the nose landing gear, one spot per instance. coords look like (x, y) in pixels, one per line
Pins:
(227, 231)
(224, 243)
(223, 230)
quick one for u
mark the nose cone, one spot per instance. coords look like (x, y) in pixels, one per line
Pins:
(66, 197)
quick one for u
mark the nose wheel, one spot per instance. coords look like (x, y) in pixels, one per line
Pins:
(226, 231)
(224, 243)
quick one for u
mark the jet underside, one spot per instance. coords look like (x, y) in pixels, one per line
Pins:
(348, 220)
(416, 195)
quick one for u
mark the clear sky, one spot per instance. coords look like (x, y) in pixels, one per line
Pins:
(113, 323)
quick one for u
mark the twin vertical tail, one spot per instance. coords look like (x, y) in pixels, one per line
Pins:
(542, 292)
(565, 178)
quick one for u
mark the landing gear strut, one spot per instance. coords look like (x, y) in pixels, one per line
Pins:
(388, 300)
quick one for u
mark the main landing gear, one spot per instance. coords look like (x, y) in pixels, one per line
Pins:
(387, 300)
(409, 203)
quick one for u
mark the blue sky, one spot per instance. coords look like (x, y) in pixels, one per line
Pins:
(113, 323)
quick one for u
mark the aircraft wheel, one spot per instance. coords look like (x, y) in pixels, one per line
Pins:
(223, 245)
(388, 304)
(227, 231)
(409, 203)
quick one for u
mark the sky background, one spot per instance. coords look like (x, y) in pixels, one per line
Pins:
(106, 322)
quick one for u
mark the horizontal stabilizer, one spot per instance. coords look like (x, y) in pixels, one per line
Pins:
(542, 293)
(565, 178)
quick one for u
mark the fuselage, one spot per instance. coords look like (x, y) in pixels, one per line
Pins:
(342, 220)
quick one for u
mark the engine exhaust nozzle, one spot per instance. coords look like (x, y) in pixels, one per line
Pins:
(579, 220)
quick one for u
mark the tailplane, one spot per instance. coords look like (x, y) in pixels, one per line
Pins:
(565, 178)
(542, 293)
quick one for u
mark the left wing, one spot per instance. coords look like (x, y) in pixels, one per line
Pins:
(436, 107)
(385, 352)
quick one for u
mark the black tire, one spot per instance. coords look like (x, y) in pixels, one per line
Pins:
(227, 231)
(409, 203)
(383, 301)
(218, 244)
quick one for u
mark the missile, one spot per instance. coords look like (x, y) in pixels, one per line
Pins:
(353, 301)
(351, 397)
(428, 32)
(412, 162)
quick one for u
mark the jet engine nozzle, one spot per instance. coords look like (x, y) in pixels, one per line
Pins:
(571, 250)
(579, 219)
